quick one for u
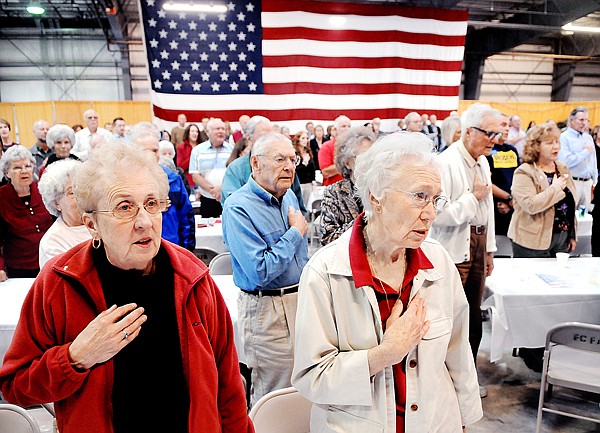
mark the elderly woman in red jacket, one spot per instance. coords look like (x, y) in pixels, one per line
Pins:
(125, 319)
(23, 216)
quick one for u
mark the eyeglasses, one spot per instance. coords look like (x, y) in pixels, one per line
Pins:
(422, 199)
(26, 167)
(280, 159)
(126, 210)
(490, 134)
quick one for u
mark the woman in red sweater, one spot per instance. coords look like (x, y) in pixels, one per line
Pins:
(23, 217)
(126, 318)
(191, 137)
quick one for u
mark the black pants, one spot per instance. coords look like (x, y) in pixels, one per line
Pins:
(22, 273)
(210, 208)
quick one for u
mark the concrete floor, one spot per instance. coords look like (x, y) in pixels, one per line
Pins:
(513, 394)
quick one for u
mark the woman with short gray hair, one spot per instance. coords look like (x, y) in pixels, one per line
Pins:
(341, 205)
(68, 230)
(61, 139)
(23, 217)
(381, 338)
(83, 324)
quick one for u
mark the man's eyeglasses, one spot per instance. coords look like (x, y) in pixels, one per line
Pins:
(280, 159)
(422, 199)
(126, 210)
(26, 167)
(490, 134)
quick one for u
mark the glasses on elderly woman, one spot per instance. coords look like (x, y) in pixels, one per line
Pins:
(422, 199)
(126, 210)
(280, 159)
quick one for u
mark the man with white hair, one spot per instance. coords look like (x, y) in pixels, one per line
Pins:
(466, 225)
(178, 130)
(516, 135)
(413, 122)
(238, 172)
(265, 232)
(207, 166)
(40, 149)
(83, 137)
(330, 172)
(178, 224)
(577, 150)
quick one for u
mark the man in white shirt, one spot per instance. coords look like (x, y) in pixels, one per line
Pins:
(81, 149)
(516, 136)
(465, 227)
(208, 165)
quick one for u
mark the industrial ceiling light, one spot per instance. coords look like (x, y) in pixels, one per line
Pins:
(35, 10)
(580, 29)
(194, 7)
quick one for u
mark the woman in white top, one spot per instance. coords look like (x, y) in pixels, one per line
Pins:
(57, 193)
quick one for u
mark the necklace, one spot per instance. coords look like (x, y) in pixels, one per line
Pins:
(375, 272)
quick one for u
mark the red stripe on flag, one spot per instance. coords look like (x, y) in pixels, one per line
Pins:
(331, 8)
(360, 62)
(294, 114)
(358, 89)
(362, 36)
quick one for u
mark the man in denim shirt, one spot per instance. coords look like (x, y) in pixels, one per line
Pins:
(266, 234)
(577, 151)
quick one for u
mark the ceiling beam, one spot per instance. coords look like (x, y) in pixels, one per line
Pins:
(483, 43)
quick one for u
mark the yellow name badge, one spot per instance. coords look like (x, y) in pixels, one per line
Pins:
(505, 159)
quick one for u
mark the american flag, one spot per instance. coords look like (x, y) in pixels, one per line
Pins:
(304, 60)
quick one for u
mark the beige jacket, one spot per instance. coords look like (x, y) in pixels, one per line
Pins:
(534, 199)
(337, 324)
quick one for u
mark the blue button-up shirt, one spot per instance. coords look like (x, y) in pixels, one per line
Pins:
(582, 163)
(266, 252)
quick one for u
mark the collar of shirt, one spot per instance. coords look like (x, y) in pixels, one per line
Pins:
(263, 194)
(359, 264)
(471, 162)
(574, 132)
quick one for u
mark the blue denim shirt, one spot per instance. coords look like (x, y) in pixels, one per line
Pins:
(266, 252)
(581, 163)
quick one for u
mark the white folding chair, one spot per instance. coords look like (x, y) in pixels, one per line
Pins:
(571, 360)
(221, 264)
(281, 411)
(15, 419)
(205, 254)
(314, 223)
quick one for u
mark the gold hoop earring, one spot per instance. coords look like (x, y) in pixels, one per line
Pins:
(96, 243)
(378, 209)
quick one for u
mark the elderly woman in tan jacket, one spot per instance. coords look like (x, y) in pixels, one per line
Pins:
(543, 223)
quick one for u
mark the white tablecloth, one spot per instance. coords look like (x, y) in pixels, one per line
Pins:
(230, 293)
(12, 295)
(529, 296)
(209, 237)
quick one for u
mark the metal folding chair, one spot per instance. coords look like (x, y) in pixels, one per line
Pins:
(282, 411)
(221, 265)
(571, 360)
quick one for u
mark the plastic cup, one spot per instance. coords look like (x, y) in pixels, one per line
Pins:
(561, 259)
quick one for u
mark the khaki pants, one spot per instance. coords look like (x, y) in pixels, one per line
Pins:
(472, 274)
(267, 327)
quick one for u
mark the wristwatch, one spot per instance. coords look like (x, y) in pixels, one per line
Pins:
(509, 198)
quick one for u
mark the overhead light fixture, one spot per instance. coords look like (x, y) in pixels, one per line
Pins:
(194, 7)
(35, 10)
(580, 29)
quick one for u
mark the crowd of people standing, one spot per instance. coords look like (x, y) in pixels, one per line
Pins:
(381, 325)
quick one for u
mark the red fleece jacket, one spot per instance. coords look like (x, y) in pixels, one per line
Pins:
(67, 295)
